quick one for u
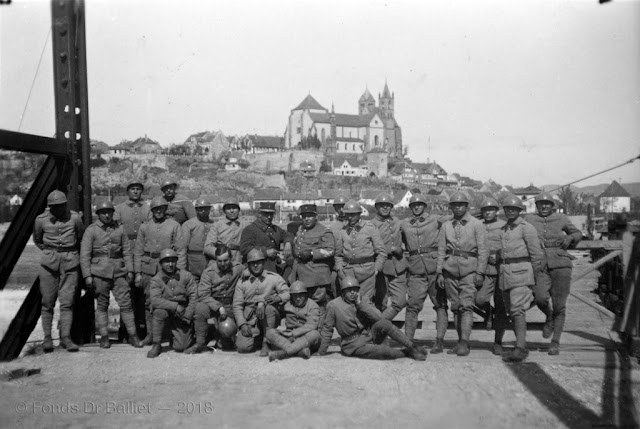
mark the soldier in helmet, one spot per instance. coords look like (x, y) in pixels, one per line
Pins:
(392, 280)
(57, 232)
(179, 207)
(264, 235)
(215, 295)
(420, 237)
(131, 214)
(174, 294)
(301, 335)
(194, 232)
(153, 236)
(360, 251)
(313, 249)
(462, 261)
(226, 231)
(362, 328)
(489, 288)
(257, 304)
(556, 233)
(106, 261)
(520, 261)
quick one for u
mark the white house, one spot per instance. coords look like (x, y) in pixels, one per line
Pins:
(615, 199)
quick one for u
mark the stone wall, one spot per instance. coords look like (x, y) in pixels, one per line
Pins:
(283, 161)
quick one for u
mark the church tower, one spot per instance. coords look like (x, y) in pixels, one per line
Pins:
(366, 104)
(385, 102)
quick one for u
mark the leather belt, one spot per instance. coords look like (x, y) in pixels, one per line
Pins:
(113, 255)
(516, 260)
(456, 252)
(194, 252)
(61, 248)
(360, 260)
(224, 300)
(352, 336)
(154, 255)
(421, 251)
(233, 246)
(549, 245)
(132, 236)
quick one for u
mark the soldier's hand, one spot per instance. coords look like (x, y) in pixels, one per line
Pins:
(358, 299)
(306, 255)
(272, 299)
(245, 330)
(260, 310)
(566, 242)
(271, 253)
(479, 280)
(138, 280)
(440, 281)
(492, 260)
(286, 334)
(88, 283)
(223, 313)
(180, 310)
(375, 273)
(246, 274)
(130, 278)
(286, 252)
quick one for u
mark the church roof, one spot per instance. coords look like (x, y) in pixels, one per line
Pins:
(344, 120)
(614, 190)
(366, 96)
(309, 103)
(385, 91)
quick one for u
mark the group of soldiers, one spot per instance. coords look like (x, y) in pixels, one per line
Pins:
(169, 266)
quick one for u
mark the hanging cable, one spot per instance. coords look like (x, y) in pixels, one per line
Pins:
(600, 172)
(33, 82)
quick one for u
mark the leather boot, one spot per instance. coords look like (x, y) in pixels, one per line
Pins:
(438, 346)
(415, 353)
(558, 326)
(410, 324)
(463, 348)
(305, 353)
(497, 349)
(277, 355)
(264, 352)
(442, 322)
(128, 320)
(554, 349)
(517, 355)
(488, 319)
(104, 342)
(198, 347)
(47, 345)
(155, 351)
(66, 343)
(456, 323)
(520, 329)
(148, 340)
(66, 318)
(135, 341)
(547, 330)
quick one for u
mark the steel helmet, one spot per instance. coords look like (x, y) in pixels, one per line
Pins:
(417, 199)
(489, 202)
(352, 207)
(545, 196)
(255, 255)
(227, 328)
(104, 205)
(340, 200)
(297, 287)
(513, 201)
(56, 197)
(384, 198)
(459, 197)
(231, 202)
(167, 253)
(202, 202)
(349, 282)
(157, 202)
(168, 183)
(134, 183)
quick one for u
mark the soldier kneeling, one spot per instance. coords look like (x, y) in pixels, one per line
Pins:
(349, 314)
(301, 319)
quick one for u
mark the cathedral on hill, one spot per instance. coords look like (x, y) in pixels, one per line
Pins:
(374, 128)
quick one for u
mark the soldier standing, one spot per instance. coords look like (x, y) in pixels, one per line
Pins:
(180, 208)
(420, 237)
(392, 280)
(362, 329)
(335, 226)
(215, 296)
(57, 232)
(520, 260)
(153, 236)
(313, 249)
(462, 260)
(264, 235)
(301, 320)
(360, 251)
(174, 294)
(490, 286)
(106, 261)
(131, 214)
(556, 233)
(194, 231)
(226, 231)
(257, 304)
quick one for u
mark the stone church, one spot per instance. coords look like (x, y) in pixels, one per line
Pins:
(374, 127)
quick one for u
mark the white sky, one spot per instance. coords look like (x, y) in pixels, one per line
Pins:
(518, 91)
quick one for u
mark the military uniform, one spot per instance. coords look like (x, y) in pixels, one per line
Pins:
(555, 277)
(227, 232)
(259, 235)
(420, 238)
(489, 286)
(59, 239)
(248, 294)
(359, 251)
(313, 250)
(302, 323)
(167, 292)
(180, 208)
(106, 257)
(194, 232)
(335, 226)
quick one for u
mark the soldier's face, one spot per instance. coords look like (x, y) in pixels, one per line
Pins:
(545, 208)
(417, 209)
(267, 217)
(256, 267)
(350, 295)
(134, 192)
(203, 213)
(353, 218)
(511, 213)
(58, 210)
(489, 213)
(169, 265)
(223, 261)
(458, 209)
(231, 212)
(309, 220)
(384, 209)
(299, 299)
(159, 212)
(105, 216)
(169, 191)
(338, 208)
